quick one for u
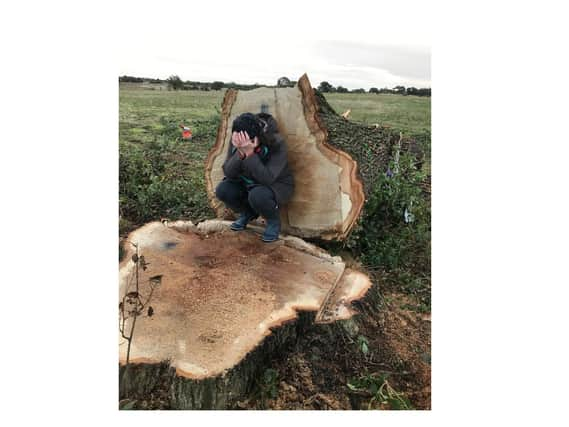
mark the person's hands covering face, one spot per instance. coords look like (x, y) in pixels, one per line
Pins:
(243, 143)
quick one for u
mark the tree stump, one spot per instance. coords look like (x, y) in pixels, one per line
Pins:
(225, 302)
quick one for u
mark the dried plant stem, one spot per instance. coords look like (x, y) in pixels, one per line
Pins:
(135, 311)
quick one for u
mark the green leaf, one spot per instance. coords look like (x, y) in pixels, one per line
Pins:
(373, 388)
(273, 392)
(352, 387)
(363, 344)
(269, 376)
(129, 405)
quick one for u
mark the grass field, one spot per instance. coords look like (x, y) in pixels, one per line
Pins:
(409, 113)
(141, 109)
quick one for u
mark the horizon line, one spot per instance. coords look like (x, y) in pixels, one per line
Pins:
(259, 84)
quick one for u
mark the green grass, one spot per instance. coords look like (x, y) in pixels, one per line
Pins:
(140, 109)
(161, 175)
(410, 114)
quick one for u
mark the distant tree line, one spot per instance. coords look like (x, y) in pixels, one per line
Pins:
(174, 82)
(131, 79)
(326, 87)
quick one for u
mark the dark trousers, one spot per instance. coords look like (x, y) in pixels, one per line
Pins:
(243, 198)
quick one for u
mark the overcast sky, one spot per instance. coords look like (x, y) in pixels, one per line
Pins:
(353, 44)
(351, 64)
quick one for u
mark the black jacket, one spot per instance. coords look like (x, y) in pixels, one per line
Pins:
(271, 169)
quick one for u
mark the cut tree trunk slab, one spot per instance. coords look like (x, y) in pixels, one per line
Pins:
(328, 196)
(222, 295)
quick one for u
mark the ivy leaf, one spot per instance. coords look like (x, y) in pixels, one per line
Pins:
(353, 387)
(135, 258)
(270, 376)
(364, 344)
(373, 388)
(129, 405)
(396, 404)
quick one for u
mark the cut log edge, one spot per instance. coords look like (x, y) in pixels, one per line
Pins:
(351, 176)
(352, 286)
(216, 150)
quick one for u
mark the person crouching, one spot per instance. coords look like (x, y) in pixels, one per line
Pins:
(257, 179)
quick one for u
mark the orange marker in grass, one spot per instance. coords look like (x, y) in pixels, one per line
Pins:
(186, 132)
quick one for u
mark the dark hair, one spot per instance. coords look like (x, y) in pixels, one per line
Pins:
(261, 125)
(270, 132)
(247, 122)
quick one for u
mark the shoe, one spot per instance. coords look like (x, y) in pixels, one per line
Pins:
(272, 231)
(241, 222)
